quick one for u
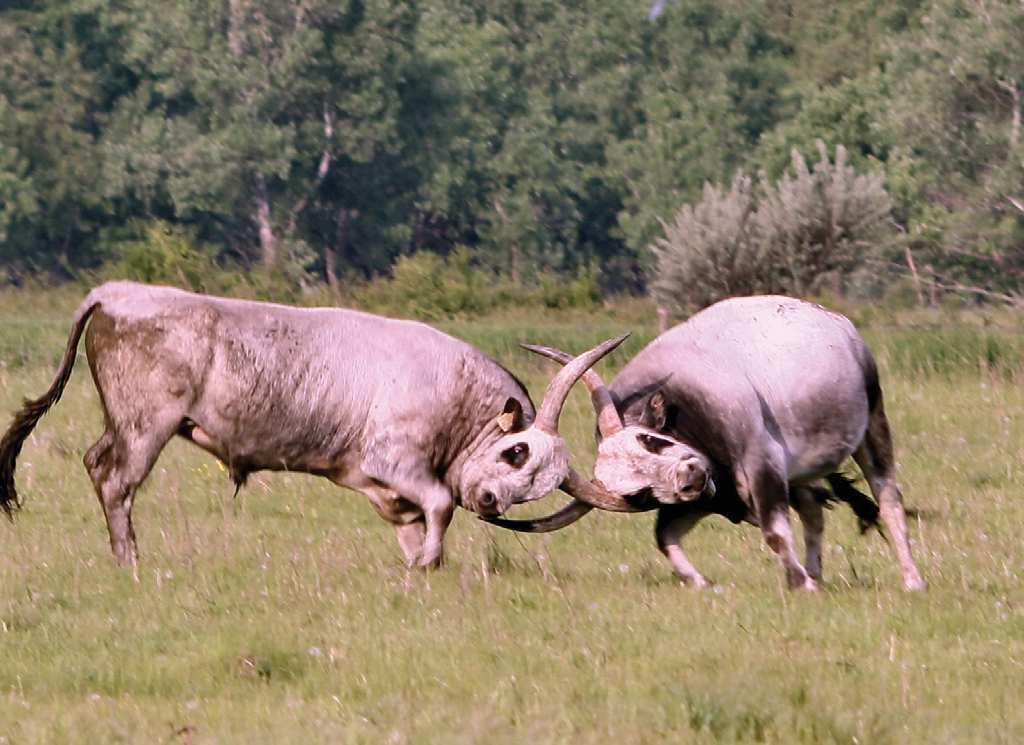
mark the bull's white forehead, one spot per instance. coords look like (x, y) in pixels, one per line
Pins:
(545, 468)
(625, 466)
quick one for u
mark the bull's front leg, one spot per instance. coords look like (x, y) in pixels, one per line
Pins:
(420, 520)
(433, 506)
(413, 478)
(674, 522)
(438, 508)
(403, 512)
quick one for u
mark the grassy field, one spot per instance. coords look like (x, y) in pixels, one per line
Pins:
(287, 616)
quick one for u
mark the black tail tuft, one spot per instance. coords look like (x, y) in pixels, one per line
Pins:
(31, 411)
(863, 506)
(10, 447)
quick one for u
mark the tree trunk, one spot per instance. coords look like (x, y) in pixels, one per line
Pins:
(268, 241)
(331, 251)
(838, 285)
(1015, 95)
(514, 264)
(913, 273)
(235, 21)
(933, 287)
(331, 266)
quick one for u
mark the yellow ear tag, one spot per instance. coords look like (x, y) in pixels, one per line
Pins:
(505, 421)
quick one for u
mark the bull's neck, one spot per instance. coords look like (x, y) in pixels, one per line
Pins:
(474, 445)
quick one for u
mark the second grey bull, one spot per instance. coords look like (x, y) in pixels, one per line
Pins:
(414, 419)
(764, 396)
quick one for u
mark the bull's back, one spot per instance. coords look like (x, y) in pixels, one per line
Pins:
(772, 367)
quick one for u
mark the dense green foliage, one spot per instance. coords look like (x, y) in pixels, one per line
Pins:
(318, 141)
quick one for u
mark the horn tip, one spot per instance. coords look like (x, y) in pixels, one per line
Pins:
(610, 344)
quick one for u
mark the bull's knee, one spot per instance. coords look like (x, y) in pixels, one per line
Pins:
(410, 538)
(671, 526)
(438, 510)
(97, 457)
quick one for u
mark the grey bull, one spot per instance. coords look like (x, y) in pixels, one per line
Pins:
(414, 419)
(741, 411)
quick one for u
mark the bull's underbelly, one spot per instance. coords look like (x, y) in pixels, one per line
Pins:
(812, 457)
(246, 455)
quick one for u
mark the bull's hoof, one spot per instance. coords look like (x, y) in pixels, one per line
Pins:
(802, 582)
(914, 584)
(697, 582)
(430, 564)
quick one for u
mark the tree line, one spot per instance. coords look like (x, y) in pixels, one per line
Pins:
(319, 141)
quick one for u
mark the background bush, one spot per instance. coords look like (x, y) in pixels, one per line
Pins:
(166, 254)
(814, 225)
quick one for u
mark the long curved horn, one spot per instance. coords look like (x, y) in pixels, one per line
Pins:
(586, 496)
(608, 420)
(555, 521)
(558, 389)
(594, 493)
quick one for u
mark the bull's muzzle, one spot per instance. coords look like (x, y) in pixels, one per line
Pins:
(487, 504)
(693, 480)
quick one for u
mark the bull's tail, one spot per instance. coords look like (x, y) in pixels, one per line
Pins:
(863, 506)
(31, 411)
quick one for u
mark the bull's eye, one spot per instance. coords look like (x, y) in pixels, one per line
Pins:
(653, 444)
(516, 455)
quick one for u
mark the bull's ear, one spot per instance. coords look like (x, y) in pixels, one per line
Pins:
(511, 418)
(659, 414)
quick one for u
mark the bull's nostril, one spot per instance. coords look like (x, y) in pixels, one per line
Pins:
(487, 499)
(691, 472)
(688, 471)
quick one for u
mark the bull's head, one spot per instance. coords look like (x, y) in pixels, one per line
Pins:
(639, 466)
(641, 461)
(526, 461)
(643, 458)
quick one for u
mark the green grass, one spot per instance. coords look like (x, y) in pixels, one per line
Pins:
(287, 616)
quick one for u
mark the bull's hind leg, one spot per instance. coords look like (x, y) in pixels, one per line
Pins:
(812, 516)
(145, 398)
(769, 492)
(117, 466)
(673, 524)
(876, 459)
